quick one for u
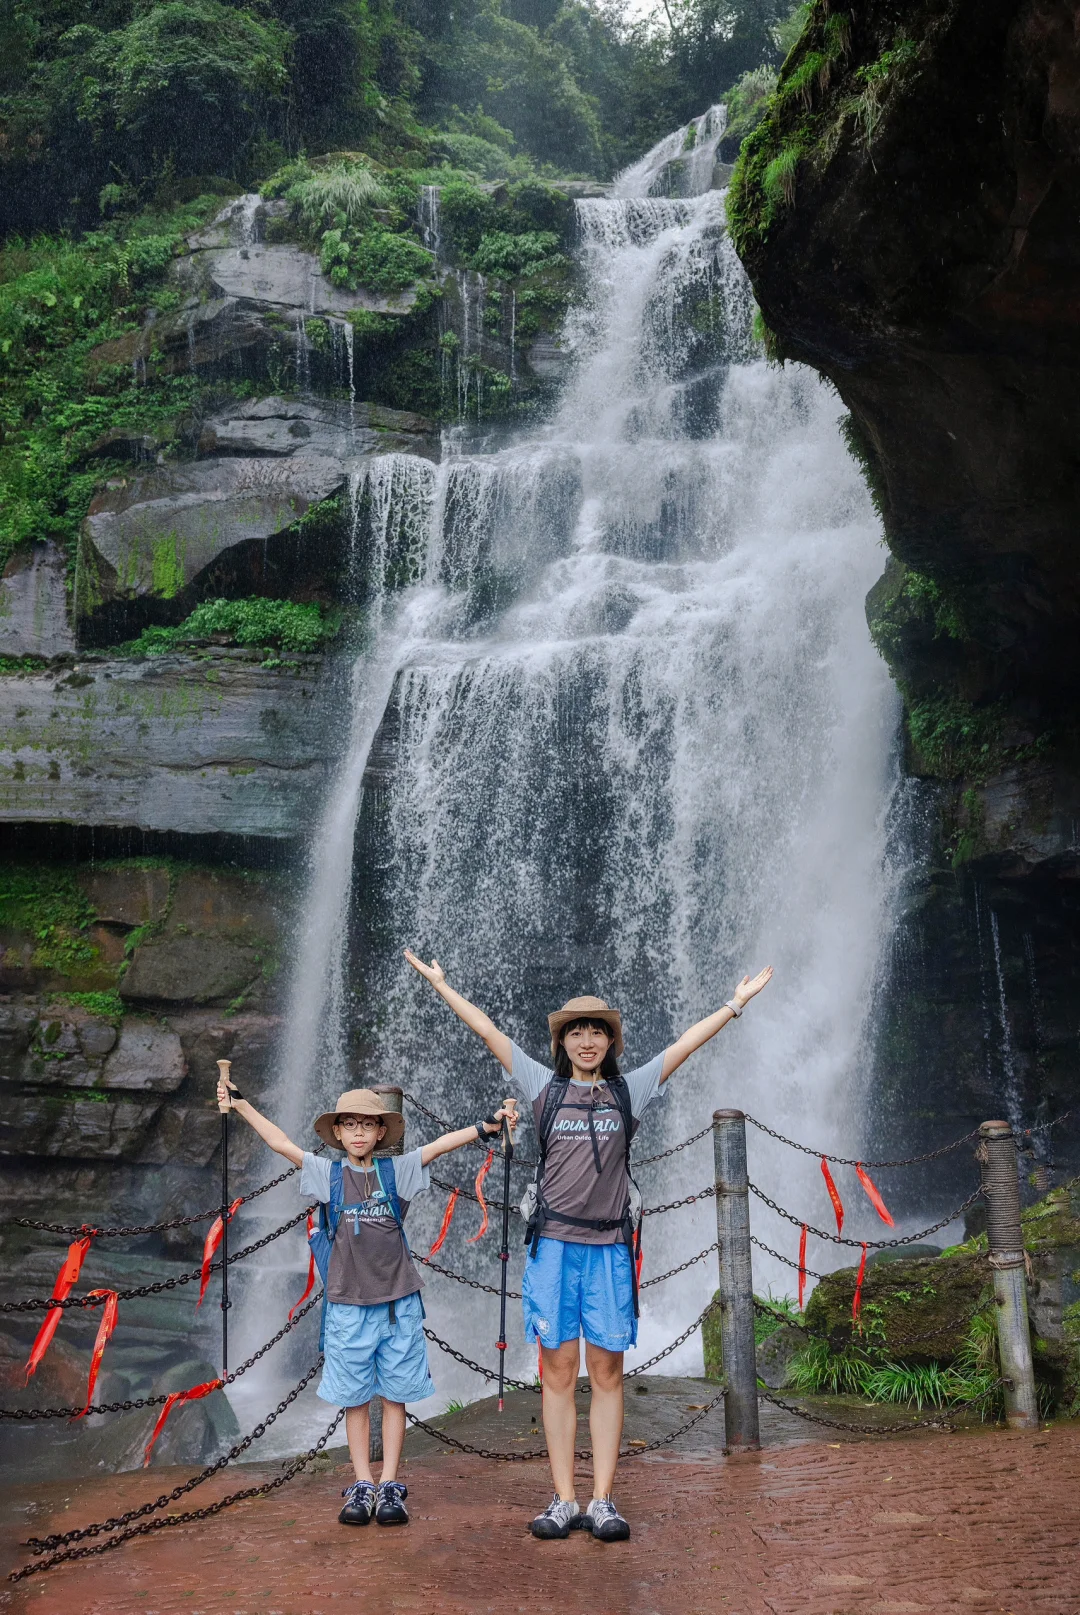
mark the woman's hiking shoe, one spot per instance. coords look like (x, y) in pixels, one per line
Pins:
(359, 1503)
(557, 1520)
(389, 1503)
(605, 1522)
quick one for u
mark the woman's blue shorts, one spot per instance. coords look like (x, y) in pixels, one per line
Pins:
(570, 1290)
(366, 1355)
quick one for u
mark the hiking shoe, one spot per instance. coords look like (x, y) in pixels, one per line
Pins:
(605, 1522)
(389, 1503)
(359, 1503)
(557, 1520)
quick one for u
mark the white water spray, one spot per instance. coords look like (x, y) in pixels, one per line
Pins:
(641, 743)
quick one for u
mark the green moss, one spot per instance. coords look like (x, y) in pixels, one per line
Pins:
(167, 566)
(953, 738)
(108, 1006)
(48, 903)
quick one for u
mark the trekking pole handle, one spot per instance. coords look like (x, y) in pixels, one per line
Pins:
(508, 1131)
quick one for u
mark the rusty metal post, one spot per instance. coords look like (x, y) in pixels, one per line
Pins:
(736, 1282)
(996, 1155)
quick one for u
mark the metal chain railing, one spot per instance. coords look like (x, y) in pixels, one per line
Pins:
(870, 1244)
(130, 1405)
(936, 1422)
(690, 1262)
(148, 1228)
(648, 1160)
(584, 1454)
(523, 1160)
(44, 1304)
(477, 1368)
(149, 1526)
(459, 1278)
(845, 1160)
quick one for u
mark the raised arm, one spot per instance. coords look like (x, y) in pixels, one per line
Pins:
(474, 1018)
(489, 1128)
(268, 1131)
(701, 1033)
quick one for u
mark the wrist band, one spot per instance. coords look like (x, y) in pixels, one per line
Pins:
(734, 1008)
(481, 1133)
(233, 1092)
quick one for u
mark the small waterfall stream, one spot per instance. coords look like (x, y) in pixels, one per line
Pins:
(633, 739)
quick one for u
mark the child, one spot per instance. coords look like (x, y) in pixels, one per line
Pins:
(579, 1275)
(373, 1319)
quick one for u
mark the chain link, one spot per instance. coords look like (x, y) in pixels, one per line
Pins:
(45, 1544)
(459, 1278)
(708, 1193)
(936, 1423)
(690, 1261)
(675, 1344)
(477, 1368)
(157, 1401)
(846, 1160)
(869, 1244)
(149, 1228)
(809, 1271)
(523, 1160)
(1044, 1127)
(44, 1305)
(887, 1343)
(675, 1148)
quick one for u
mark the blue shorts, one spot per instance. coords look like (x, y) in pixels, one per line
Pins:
(366, 1355)
(570, 1290)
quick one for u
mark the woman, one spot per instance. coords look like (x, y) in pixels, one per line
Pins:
(579, 1275)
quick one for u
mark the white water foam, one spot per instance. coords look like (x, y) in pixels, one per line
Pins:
(640, 742)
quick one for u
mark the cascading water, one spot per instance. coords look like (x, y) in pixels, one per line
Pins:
(633, 740)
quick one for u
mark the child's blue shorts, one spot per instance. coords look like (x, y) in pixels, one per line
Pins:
(570, 1290)
(366, 1355)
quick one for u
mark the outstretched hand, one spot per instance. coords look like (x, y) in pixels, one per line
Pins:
(432, 972)
(748, 988)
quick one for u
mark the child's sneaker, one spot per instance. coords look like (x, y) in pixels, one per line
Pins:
(605, 1522)
(557, 1520)
(389, 1505)
(359, 1503)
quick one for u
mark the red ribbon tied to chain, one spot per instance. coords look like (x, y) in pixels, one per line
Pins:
(310, 1285)
(837, 1203)
(210, 1245)
(856, 1304)
(479, 1186)
(447, 1219)
(192, 1395)
(66, 1279)
(802, 1265)
(872, 1194)
(104, 1334)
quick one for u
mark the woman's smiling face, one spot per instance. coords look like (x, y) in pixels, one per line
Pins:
(586, 1046)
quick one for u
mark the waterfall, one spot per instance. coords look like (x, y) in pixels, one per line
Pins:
(633, 740)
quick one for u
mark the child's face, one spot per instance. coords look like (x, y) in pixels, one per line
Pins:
(359, 1135)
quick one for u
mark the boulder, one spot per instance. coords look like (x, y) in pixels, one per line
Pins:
(191, 969)
(33, 604)
(147, 1057)
(90, 1126)
(345, 432)
(928, 1302)
(154, 534)
(287, 277)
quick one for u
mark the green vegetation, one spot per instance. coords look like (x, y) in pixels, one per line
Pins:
(783, 1311)
(952, 737)
(285, 624)
(47, 902)
(865, 1369)
(108, 1006)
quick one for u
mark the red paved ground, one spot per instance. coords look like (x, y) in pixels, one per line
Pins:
(975, 1521)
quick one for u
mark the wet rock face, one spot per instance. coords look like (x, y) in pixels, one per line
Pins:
(926, 263)
(200, 744)
(33, 604)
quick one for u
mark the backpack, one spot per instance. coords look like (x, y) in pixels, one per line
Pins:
(536, 1212)
(324, 1233)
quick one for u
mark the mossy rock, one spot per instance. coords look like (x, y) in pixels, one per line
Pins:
(712, 1350)
(1053, 1221)
(928, 1302)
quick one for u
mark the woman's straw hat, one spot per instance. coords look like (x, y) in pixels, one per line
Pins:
(585, 1009)
(360, 1102)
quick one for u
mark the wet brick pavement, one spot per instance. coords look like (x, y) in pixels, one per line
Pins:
(815, 1524)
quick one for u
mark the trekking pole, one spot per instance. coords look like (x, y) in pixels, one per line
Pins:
(224, 1067)
(504, 1254)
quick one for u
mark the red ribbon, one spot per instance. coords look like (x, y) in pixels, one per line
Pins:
(193, 1395)
(479, 1186)
(872, 1194)
(310, 1285)
(540, 1362)
(447, 1219)
(66, 1279)
(856, 1305)
(837, 1203)
(638, 1254)
(802, 1265)
(210, 1245)
(105, 1329)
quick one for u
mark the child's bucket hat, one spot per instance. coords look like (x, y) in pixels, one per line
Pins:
(360, 1102)
(585, 1009)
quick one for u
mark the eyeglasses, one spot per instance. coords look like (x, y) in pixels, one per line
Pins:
(357, 1123)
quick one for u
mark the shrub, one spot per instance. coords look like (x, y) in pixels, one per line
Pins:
(256, 621)
(342, 193)
(507, 255)
(375, 258)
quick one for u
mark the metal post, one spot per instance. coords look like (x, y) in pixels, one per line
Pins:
(224, 1066)
(996, 1155)
(736, 1282)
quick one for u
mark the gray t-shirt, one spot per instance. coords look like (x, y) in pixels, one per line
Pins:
(587, 1132)
(369, 1263)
